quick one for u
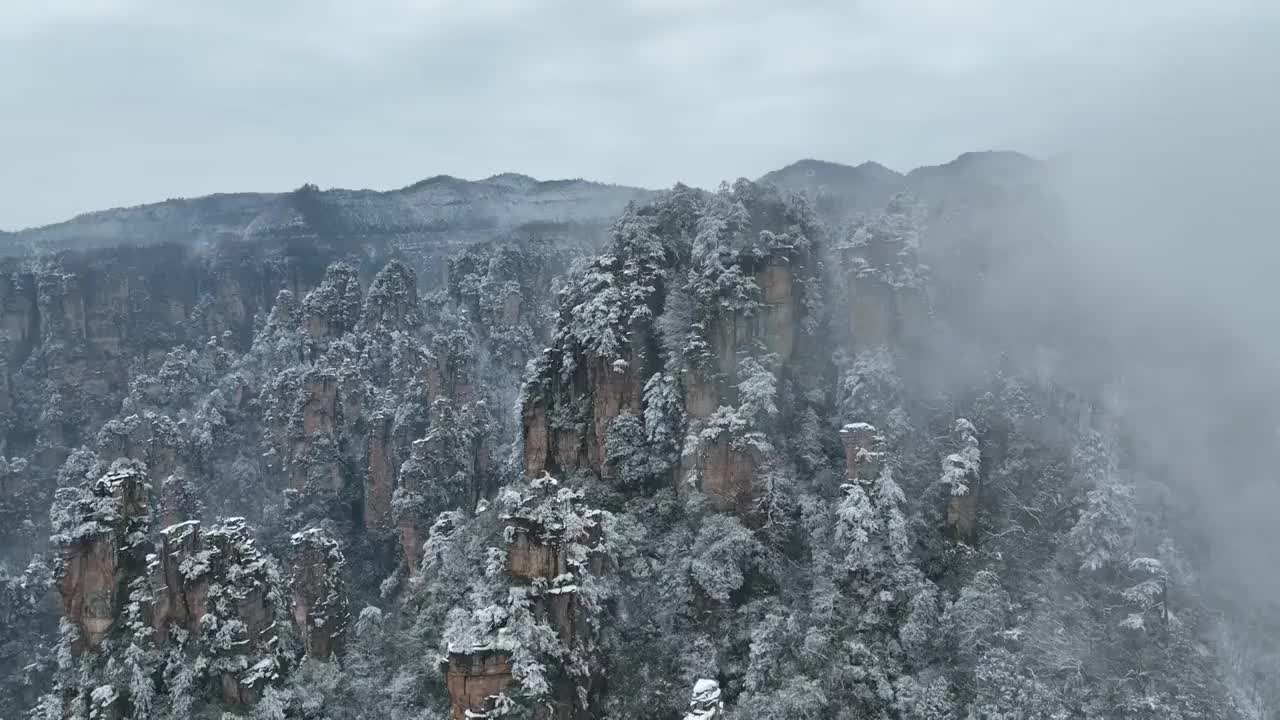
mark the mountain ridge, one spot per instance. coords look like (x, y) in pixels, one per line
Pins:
(508, 198)
(440, 203)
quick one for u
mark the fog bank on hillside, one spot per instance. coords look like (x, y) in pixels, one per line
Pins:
(1174, 253)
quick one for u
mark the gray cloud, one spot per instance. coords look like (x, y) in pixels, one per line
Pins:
(110, 102)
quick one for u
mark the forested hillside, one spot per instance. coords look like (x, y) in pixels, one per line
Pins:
(837, 443)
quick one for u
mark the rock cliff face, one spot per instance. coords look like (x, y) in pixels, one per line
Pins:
(555, 562)
(960, 475)
(473, 679)
(206, 593)
(309, 451)
(203, 593)
(414, 477)
(100, 547)
(318, 586)
(725, 470)
(863, 452)
(694, 302)
(883, 280)
(380, 482)
(215, 579)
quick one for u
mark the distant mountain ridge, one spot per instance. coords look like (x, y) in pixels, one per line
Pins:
(839, 190)
(443, 203)
(440, 203)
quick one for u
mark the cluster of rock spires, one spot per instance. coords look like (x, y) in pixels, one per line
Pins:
(369, 430)
(548, 556)
(607, 369)
(205, 591)
(698, 430)
(752, 313)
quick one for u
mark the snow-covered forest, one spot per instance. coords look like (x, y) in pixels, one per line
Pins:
(835, 443)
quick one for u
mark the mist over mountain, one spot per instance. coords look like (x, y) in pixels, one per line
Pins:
(446, 204)
(838, 442)
(428, 208)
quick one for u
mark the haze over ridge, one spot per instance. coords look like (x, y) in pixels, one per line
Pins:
(170, 99)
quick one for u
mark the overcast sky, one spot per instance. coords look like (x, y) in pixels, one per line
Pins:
(119, 102)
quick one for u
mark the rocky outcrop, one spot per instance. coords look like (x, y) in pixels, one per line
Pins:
(149, 438)
(19, 315)
(566, 423)
(781, 309)
(863, 452)
(333, 308)
(616, 386)
(177, 602)
(449, 468)
(407, 505)
(179, 501)
(392, 302)
(380, 479)
(736, 306)
(726, 474)
(538, 557)
(102, 531)
(89, 588)
(554, 544)
(531, 555)
(473, 679)
(721, 465)
(318, 586)
(701, 393)
(536, 553)
(962, 480)
(884, 281)
(320, 408)
(205, 592)
(211, 581)
(872, 318)
(448, 374)
(311, 445)
(537, 440)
